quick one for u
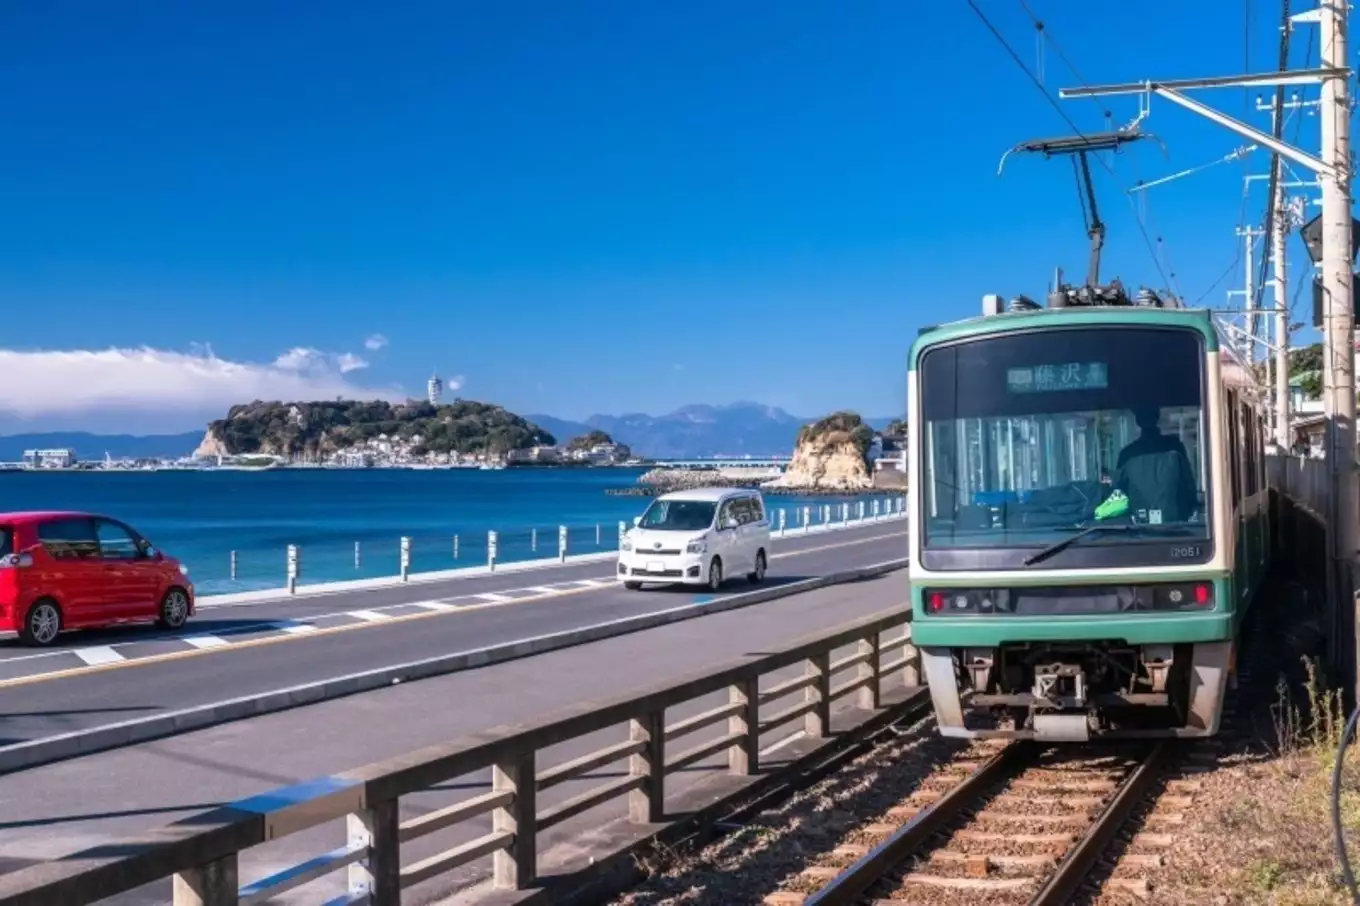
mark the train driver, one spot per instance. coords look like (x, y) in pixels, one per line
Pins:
(1154, 473)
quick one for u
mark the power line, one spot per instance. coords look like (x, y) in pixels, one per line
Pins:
(1053, 102)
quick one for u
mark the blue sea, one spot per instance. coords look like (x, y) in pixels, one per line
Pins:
(202, 517)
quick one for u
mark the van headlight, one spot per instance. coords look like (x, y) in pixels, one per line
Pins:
(696, 547)
(625, 545)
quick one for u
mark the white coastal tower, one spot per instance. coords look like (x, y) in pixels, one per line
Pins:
(434, 389)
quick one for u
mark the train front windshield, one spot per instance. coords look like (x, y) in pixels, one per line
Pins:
(1030, 438)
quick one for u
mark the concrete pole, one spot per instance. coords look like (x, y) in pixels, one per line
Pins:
(1279, 289)
(1338, 312)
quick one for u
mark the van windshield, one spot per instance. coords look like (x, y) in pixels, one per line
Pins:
(678, 515)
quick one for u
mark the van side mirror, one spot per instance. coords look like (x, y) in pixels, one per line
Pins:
(729, 523)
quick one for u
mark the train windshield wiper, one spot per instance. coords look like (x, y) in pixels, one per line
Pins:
(1120, 527)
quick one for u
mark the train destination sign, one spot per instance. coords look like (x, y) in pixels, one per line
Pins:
(1047, 378)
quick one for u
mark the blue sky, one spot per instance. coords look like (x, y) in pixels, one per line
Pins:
(576, 207)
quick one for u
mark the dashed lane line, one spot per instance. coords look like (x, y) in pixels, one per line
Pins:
(198, 641)
(370, 616)
(494, 597)
(98, 654)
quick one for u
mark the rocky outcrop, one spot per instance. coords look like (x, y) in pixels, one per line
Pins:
(830, 455)
(212, 446)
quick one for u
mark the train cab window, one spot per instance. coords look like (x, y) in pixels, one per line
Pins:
(1030, 437)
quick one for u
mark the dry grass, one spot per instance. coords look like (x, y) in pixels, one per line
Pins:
(1260, 832)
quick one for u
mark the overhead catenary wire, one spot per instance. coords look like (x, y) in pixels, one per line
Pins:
(1053, 102)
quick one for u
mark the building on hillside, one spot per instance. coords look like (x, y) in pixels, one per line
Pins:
(434, 389)
(541, 455)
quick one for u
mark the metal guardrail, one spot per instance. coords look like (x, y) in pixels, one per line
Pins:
(201, 852)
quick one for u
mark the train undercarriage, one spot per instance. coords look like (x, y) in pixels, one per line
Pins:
(1076, 691)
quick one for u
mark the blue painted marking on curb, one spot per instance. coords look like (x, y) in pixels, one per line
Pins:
(282, 798)
(703, 599)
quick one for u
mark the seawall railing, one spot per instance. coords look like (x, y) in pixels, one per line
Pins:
(296, 566)
(202, 852)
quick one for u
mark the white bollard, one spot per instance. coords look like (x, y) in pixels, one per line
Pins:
(875, 509)
(597, 534)
(861, 511)
(405, 559)
(533, 540)
(455, 547)
(783, 521)
(826, 514)
(491, 550)
(623, 527)
(562, 543)
(294, 568)
(356, 555)
(233, 566)
(845, 512)
(807, 518)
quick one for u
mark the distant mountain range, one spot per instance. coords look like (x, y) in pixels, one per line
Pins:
(695, 431)
(738, 429)
(94, 446)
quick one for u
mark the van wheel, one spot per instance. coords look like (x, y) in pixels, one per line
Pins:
(42, 623)
(715, 576)
(758, 576)
(174, 609)
(632, 586)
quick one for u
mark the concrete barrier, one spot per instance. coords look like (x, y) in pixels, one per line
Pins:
(84, 742)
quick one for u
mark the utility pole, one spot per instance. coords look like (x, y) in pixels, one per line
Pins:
(1337, 300)
(1279, 287)
(1332, 167)
(1248, 293)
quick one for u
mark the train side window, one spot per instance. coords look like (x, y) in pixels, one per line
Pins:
(1234, 450)
(1248, 420)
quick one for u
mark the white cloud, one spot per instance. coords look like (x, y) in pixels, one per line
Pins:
(375, 342)
(454, 383)
(113, 386)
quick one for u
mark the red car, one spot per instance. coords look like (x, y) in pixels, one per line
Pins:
(62, 571)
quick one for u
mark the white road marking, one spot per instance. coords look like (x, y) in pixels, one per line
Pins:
(371, 616)
(544, 590)
(494, 596)
(299, 628)
(436, 605)
(98, 654)
(205, 641)
(775, 747)
(595, 583)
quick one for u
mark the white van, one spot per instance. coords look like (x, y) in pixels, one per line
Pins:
(697, 537)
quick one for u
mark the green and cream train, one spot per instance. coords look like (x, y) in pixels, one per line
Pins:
(1089, 519)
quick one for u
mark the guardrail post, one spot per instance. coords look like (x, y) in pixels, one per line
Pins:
(211, 884)
(744, 756)
(845, 512)
(647, 805)
(911, 661)
(817, 723)
(455, 547)
(597, 534)
(378, 875)
(861, 511)
(807, 518)
(491, 550)
(623, 527)
(294, 567)
(514, 867)
(405, 559)
(826, 513)
(870, 695)
(562, 543)
(783, 521)
(233, 566)
(876, 507)
(533, 540)
(356, 555)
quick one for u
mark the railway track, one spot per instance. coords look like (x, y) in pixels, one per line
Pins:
(1019, 824)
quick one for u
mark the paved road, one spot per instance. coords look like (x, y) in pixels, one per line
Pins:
(291, 642)
(56, 809)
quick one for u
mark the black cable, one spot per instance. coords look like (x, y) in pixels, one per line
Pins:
(1341, 855)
